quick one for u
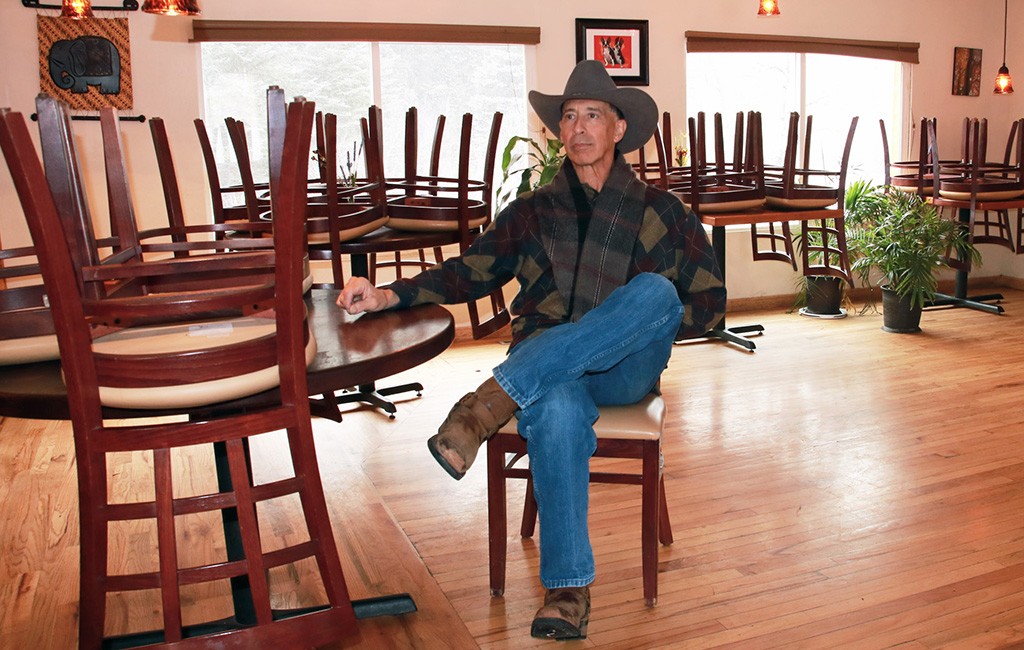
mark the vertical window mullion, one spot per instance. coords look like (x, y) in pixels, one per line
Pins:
(375, 75)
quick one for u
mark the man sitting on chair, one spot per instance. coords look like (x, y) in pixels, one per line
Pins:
(611, 271)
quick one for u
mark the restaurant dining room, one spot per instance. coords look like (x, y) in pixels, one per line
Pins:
(467, 325)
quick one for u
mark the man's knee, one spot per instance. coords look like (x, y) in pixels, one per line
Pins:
(560, 421)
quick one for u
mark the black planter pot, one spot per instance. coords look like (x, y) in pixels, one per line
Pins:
(897, 314)
(824, 297)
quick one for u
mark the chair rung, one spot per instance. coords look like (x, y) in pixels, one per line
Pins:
(615, 477)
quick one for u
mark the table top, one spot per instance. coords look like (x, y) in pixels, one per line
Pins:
(351, 350)
(764, 215)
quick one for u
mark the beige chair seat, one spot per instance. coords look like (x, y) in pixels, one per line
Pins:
(641, 421)
(30, 349)
(433, 214)
(800, 204)
(349, 233)
(983, 195)
(193, 336)
(728, 206)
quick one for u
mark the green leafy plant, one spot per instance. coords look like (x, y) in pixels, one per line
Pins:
(541, 164)
(903, 237)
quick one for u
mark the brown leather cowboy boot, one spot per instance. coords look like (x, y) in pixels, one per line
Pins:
(565, 614)
(472, 420)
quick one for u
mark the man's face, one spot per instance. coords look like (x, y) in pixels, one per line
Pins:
(589, 129)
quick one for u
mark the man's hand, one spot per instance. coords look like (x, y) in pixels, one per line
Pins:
(360, 295)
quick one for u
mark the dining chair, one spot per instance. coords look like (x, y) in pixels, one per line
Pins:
(234, 209)
(375, 141)
(186, 243)
(460, 205)
(102, 365)
(348, 208)
(628, 432)
(180, 230)
(794, 185)
(721, 185)
(982, 191)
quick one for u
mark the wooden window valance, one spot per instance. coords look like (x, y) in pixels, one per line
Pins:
(719, 42)
(260, 30)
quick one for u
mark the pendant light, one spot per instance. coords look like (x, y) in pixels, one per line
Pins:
(76, 9)
(768, 8)
(1004, 83)
(171, 7)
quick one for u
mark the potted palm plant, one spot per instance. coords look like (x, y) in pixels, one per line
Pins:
(903, 238)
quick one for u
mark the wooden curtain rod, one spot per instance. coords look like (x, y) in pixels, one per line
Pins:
(262, 30)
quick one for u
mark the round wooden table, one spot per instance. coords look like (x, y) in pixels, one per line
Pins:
(351, 351)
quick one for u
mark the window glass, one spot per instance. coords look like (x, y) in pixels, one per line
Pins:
(437, 78)
(729, 83)
(811, 84)
(236, 77)
(835, 94)
(450, 80)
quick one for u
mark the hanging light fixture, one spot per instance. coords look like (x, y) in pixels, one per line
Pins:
(76, 9)
(1004, 83)
(768, 8)
(171, 7)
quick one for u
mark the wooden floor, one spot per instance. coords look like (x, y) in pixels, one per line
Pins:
(840, 488)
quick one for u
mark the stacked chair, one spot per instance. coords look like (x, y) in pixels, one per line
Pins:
(142, 335)
(796, 186)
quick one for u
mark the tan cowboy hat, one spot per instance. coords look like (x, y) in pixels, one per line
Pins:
(590, 80)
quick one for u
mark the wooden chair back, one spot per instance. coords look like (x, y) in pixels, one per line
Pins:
(798, 187)
(221, 212)
(193, 237)
(722, 185)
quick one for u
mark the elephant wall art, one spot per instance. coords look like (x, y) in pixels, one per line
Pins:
(85, 61)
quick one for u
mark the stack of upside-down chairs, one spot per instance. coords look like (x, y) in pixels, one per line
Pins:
(165, 327)
(746, 183)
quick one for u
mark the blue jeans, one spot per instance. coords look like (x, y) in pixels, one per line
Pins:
(613, 355)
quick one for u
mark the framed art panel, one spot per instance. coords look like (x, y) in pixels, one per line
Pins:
(86, 63)
(966, 71)
(621, 45)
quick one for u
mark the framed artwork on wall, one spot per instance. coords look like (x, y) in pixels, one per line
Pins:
(966, 71)
(621, 45)
(85, 63)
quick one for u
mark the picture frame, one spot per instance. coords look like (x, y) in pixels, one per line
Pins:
(966, 71)
(86, 63)
(621, 45)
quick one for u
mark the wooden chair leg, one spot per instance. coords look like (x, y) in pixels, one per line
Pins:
(529, 524)
(496, 518)
(650, 502)
(664, 525)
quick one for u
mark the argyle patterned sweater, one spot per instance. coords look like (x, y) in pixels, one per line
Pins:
(634, 228)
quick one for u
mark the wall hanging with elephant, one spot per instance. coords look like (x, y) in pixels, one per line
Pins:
(86, 63)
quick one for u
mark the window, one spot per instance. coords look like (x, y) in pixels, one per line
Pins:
(347, 77)
(832, 88)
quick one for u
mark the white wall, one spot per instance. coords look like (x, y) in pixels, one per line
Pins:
(166, 78)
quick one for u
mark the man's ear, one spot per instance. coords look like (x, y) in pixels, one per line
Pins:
(620, 129)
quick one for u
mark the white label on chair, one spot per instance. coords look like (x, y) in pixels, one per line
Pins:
(211, 329)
